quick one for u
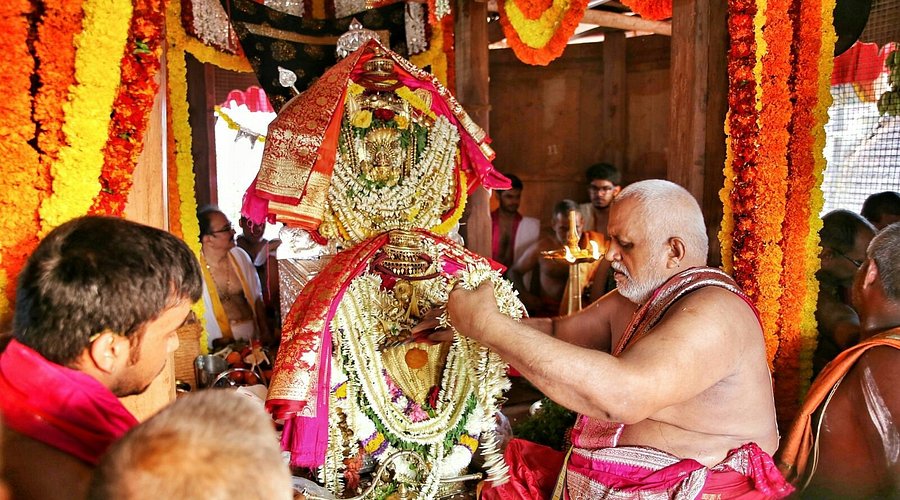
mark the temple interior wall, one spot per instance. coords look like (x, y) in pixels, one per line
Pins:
(547, 121)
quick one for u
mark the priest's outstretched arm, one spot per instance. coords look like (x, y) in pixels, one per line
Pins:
(687, 352)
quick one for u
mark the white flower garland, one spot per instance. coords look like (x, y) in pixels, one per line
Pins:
(364, 209)
(471, 369)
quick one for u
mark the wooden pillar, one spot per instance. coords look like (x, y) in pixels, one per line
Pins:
(615, 124)
(147, 205)
(201, 104)
(472, 91)
(699, 102)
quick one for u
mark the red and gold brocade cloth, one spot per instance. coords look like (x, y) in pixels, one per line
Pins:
(302, 142)
(298, 393)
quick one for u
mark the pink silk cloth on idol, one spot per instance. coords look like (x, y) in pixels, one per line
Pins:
(300, 384)
(597, 468)
(58, 406)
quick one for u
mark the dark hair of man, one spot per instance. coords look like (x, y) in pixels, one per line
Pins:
(880, 204)
(883, 250)
(94, 274)
(204, 216)
(604, 172)
(839, 229)
(514, 180)
(564, 207)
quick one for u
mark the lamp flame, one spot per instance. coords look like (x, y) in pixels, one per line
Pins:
(595, 250)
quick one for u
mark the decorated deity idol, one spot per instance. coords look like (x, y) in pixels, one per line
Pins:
(378, 157)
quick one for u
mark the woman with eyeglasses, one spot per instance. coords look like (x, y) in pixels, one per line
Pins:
(232, 294)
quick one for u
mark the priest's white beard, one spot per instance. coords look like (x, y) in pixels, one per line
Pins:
(639, 291)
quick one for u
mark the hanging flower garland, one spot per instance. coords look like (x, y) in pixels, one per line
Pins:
(242, 131)
(804, 201)
(180, 142)
(131, 109)
(439, 55)
(656, 10)
(77, 170)
(778, 107)
(55, 49)
(23, 181)
(539, 39)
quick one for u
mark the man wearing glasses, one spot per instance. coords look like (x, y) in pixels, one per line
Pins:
(232, 294)
(844, 239)
(604, 183)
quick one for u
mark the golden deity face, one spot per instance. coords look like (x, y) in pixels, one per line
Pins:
(385, 156)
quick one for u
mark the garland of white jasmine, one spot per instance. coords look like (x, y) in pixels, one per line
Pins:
(362, 208)
(472, 381)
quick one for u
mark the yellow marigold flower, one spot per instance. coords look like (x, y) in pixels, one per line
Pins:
(402, 122)
(361, 119)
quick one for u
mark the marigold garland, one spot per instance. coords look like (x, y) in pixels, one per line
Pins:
(55, 49)
(542, 39)
(180, 157)
(650, 9)
(801, 185)
(131, 108)
(23, 181)
(779, 70)
(774, 119)
(76, 173)
(435, 57)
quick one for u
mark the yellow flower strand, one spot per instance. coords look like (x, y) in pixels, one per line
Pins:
(99, 48)
(177, 79)
(808, 327)
(206, 54)
(448, 225)
(415, 101)
(726, 232)
(233, 125)
(536, 33)
(759, 22)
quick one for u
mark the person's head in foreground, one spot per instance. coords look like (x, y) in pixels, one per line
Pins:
(657, 231)
(105, 296)
(211, 445)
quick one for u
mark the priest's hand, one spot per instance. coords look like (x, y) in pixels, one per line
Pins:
(470, 310)
(429, 329)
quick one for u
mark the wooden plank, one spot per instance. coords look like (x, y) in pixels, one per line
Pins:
(697, 113)
(628, 23)
(201, 102)
(615, 123)
(687, 126)
(147, 205)
(472, 81)
(717, 107)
